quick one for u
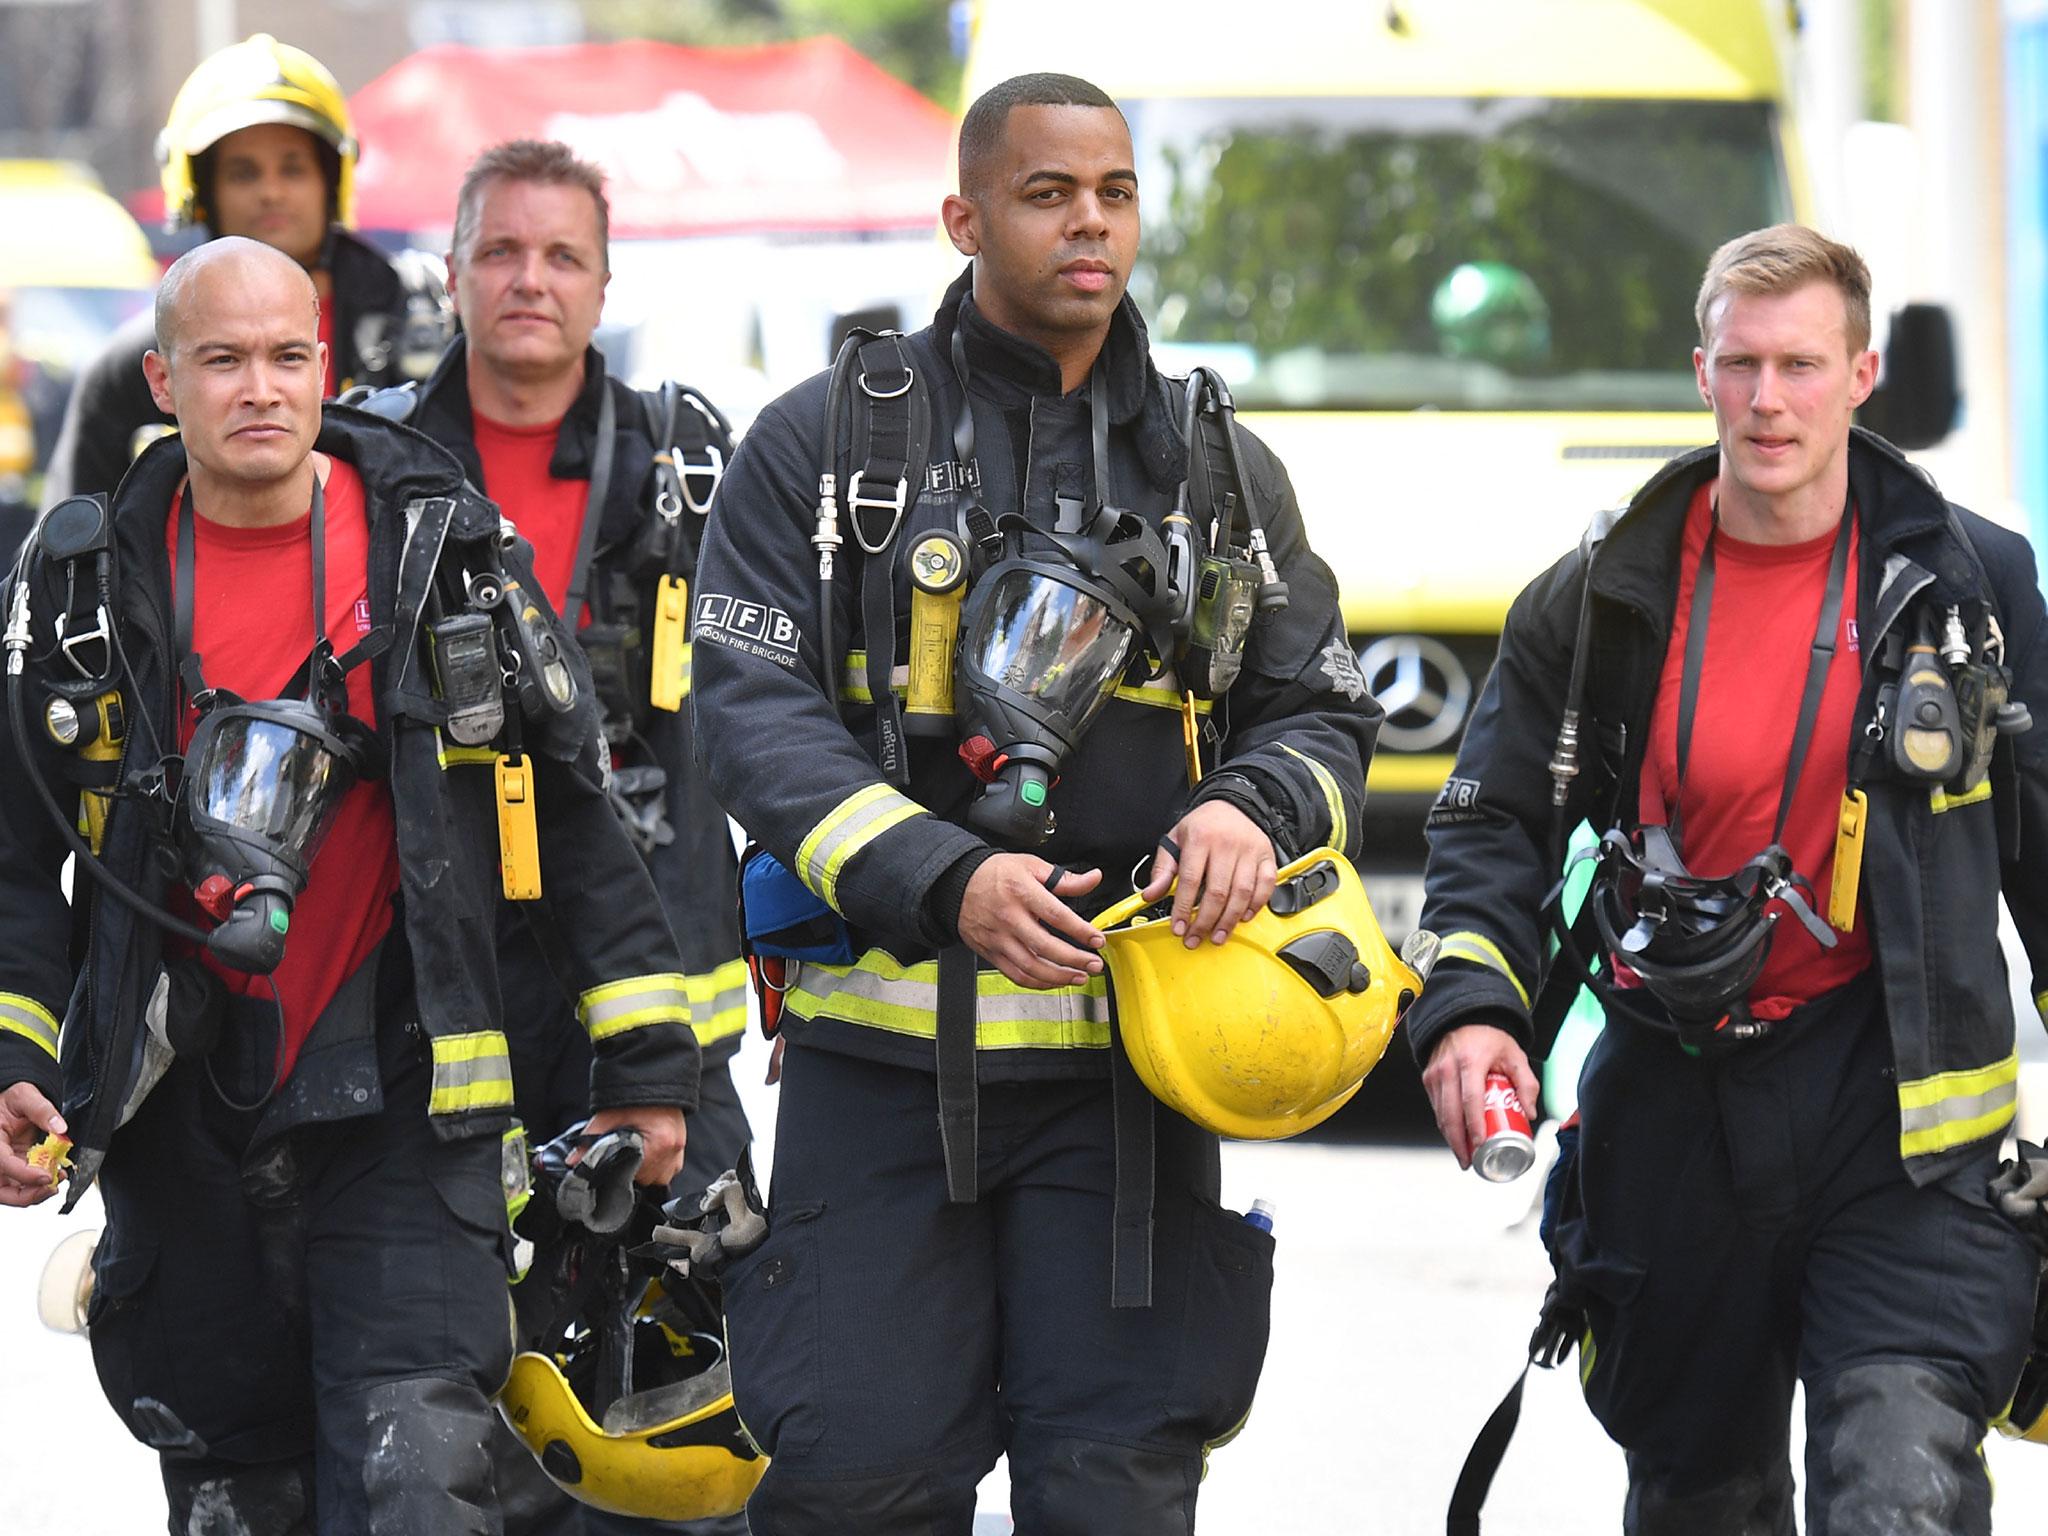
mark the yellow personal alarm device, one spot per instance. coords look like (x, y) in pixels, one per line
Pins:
(670, 662)
(1849, 830)
(518, 834)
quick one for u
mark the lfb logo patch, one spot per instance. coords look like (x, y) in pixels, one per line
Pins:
(362, 615)
(756, 628)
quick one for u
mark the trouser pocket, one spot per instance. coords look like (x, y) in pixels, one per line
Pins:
(1224, 1327)
(773, 1337)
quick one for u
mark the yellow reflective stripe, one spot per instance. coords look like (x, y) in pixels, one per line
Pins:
(1339, 827)
(1943, 801)
(881, 992)
(718, 1001)
(1588, 1352)
(452, 756)
(2041, 1005)
(1481, 950)
(853, 682)
(1162, 693)
(28, 1018)
(634, 1003)
(847, 828)
(472, 1071)
(1952, 1109)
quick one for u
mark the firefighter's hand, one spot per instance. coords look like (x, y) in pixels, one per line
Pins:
(25, 1117)
(662, 1135)
(1455, 1080)
(1012, 921)
(1226, 871)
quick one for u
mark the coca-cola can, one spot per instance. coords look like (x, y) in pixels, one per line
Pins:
(1507, 1150)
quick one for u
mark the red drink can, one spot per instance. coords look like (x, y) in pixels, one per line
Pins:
(1507, 1150)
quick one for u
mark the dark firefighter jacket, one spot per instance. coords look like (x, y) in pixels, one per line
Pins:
(695, 873)
(111, 402)
(795, 761)
(1933, 865)
(94, 964)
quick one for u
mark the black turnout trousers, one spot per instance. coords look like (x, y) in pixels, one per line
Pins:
(1746, 1225)
(888, 1345)
(310, 1342)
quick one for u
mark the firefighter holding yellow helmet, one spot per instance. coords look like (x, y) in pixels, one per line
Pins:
(259, 143)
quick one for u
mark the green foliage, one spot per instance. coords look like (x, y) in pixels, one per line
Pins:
(908, 38)
(1310, 234)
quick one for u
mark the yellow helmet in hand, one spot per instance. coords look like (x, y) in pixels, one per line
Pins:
(257, 81)
(1272, 1031)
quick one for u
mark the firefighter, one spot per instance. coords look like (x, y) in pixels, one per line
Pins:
(1799, 693)
(283, 1051)
(259, 143)
(520, 398)
(981, 1241)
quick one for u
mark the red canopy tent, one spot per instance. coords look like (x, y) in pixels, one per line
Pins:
(790, 136)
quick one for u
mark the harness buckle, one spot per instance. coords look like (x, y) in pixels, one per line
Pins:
(102, 633)
(712, 469)
(894, 504)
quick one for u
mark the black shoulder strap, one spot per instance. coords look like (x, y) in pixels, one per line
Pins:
(593, 505)
(691, 441)
(890, 449)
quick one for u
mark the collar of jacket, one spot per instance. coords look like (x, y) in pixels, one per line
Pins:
(445, 414)
(1899, 513)
(362, 276)
(1138, 396)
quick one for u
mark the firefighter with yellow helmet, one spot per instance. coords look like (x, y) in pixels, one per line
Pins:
(1123, 667)
(259, 143)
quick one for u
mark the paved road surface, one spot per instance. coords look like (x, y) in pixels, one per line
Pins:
(1404, 1298)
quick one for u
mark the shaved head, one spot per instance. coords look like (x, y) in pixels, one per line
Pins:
(239, 365)
(240, 264)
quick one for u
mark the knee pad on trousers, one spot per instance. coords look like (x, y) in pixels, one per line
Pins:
(408, 1456)
(1063, 1485)
(213, 1499)
(1755, 1501)
(1893, 1446)
(927, 1503)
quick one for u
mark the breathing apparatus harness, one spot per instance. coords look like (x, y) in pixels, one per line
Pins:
(1698, 944)
(1701, 943)
(639, 660)
(244, 808)
(1018, 634)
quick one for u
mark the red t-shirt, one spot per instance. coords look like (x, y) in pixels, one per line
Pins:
(252, 625)
(1766, 602)
(549, 512)
(328, 387)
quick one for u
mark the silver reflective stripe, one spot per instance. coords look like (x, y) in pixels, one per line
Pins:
(633, 1003)
(1954, 1109)
(471, 1071)
(24, 1016)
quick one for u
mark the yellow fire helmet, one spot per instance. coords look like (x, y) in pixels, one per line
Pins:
(257, 81)
(1272, 1031)
(673, 1450)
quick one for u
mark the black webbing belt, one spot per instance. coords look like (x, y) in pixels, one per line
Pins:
(601, 456)
(959, 1095)
(1130, 1253)
(885, 482)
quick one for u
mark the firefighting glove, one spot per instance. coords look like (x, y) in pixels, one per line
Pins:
(2019, 1193)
